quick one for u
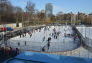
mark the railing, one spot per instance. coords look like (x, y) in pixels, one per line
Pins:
(86, 44)
(43, 46)
(62, 48)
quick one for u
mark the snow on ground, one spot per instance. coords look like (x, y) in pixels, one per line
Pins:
(36, 42)
(79, 52)
(82, 52)
(87, 34)
(86, 31)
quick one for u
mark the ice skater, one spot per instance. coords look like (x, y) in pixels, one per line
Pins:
(54, 30)
(23, 35)
(49, 39)
(48, 44)
(20, 34)
(18, 43)
(25, 32)
(44, 38)
(43, 49)
(58, 33)
(56, 37)
(30, 34)
(25, 43)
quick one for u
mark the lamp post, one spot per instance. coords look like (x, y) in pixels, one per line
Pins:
(71, 18)
(4, 34)
(85, 32)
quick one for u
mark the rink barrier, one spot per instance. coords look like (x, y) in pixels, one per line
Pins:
(40, 50)
(87, 45)
(55, 51)
(84, 42)
(22, 50)
(79, 34)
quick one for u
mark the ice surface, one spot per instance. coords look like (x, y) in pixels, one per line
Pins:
(36, 42)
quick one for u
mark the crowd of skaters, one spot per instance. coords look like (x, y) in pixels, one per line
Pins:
(55, 34)
(23, 34)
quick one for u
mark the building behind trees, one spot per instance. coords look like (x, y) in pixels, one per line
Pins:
(49, 10)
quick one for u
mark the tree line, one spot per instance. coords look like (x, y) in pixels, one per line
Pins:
(13, 14)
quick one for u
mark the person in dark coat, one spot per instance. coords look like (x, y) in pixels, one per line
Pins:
(25, 43)
(10, 53)
(48, 44)
(18, 43)
(49, 39)
(17, 51)
(44, 38)
(43, 49)
(30, 33)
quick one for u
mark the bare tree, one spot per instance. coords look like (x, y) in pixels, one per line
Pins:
(30, 9)
(6, 10)
(18, 12)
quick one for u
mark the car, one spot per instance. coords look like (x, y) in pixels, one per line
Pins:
(1, 30)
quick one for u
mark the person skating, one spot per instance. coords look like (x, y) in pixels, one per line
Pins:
(30, 34)
(44, 38)
(23, 35)
(58, 33)
(25, 43)
(20, 35)
(43, 49)
(49, 39)
(17, 51)
(18, 43)
(56, 37)
(48, 44)
(25, 32)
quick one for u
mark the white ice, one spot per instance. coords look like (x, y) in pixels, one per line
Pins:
(36, 42)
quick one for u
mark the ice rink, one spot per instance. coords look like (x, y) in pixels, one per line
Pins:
(63, 38)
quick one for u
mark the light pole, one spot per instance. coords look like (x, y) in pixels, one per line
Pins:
(71, 18)
(85, 32)
(4, 36)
